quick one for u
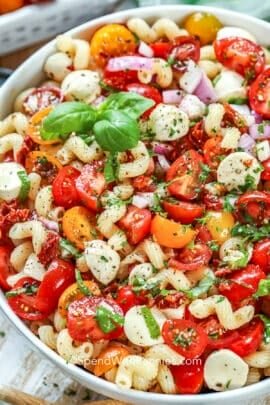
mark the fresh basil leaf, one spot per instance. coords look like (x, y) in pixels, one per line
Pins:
(151, 322)
(87, 138)
(68, 117)
(263, 288)
(116, 131)
(238, 100)
(111, 168)
(202, 288)
(266, 321)
(25, 187)
(251, 232)
(108, 320)
(132, 104)
(28, 290)
(67, 246)
(81, 284)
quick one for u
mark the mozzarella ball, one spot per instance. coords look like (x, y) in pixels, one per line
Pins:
(81, 85)
(232, 250)
(238, 168)
(230, 85)
(227, 32)
(225, 370)
(57, 66)
(168, 123)
(102, 260)
(10, 183)
(136, 329)
(192, 106)
(143, 270)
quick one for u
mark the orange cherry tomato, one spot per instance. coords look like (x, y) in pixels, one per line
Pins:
(72, 293)
(44, 164)
(6, 6)
(109, 358)
(35, 123)
(171, 234)
(110, 41)
(79, 226)
(203, 25)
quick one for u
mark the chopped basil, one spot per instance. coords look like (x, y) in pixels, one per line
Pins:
(108, 320)
(29, 289)
(67, 246)
(87, 138)
(249, 183)
(81, 284)
(266, 321)
(205, 171)
(251, 232)
(237, 100)
(263, 288)
(227, 205)
(202, 288)
(214, 246)
(25, 185)
(151, 322)
(111, 168)
(216, 79)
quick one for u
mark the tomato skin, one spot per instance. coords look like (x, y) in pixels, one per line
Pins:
(146, 91)
(218, 338)
(81, 321)
(242, 284)
(197, 135)
(91, 184)
(241, 55)
(183, 212)
(266, 172)
(57, 278)
(261, 255)
(119, 80)
(126, 298)
(259, 94)
(212, 150)
(249, 338)
(5, 267)
(64, 188)
(161, 49)
(136, 223)
(203, 25)
(188, 378)
(192, 259)
(194, 336)
(183, 175)
(42, 97)
(185, 48)
(253, 206)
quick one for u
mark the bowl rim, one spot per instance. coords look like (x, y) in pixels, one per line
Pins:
(96, 383)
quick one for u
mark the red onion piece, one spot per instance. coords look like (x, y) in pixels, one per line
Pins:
(98, 101)
(172, 96)
(260, 131)
(205, 91)
(162, 149)
(191, 78)
(50, 225)
(129, 62)
(258, 117)
(142, 200)
(145, 50)
(247, 143)
(165, 165)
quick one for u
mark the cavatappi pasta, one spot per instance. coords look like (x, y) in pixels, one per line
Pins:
(135, 205)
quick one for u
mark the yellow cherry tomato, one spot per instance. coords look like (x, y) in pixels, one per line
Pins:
(171, 234)
(203, 25)
(219, 225)
(35, 123)
(110, 41)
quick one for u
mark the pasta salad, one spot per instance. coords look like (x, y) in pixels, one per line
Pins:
(135, 205)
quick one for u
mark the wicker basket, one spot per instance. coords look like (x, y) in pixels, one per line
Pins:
(35, 23)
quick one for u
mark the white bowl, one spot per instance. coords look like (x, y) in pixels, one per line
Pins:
(29, 74)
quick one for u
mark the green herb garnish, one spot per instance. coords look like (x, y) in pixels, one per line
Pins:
(81, 284)
(67, 246)
(25, 185)
(202, 288)
(151, 322)
(263, 288)
(108, 320)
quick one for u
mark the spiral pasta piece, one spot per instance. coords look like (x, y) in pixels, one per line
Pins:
(11, 142)
(138, 166)
(164, 27)
(15, 122)
(161, 70)
(29, 229)
(75, 147)
(48, 336)
(73, 354)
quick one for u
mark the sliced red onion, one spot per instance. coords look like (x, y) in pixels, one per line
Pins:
(165, 165)
(172, 96)
(129, 62)
(258, 117)
(98, 101)
(247, 143)
(191, 78)
(205, 91)
(140, 201)
(260, 131)
(145, 50)
(162, 149)
(50, 225)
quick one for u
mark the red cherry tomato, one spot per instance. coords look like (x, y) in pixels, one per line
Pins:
(161, 49)
(232, 118)
(6, 269)
(59, 276)
(91, 184)
(192, 258)
(253, 206)
(212, 202)
(212, 151)
(41, 98)
(183, 175)
(119, 80)
(82, 323)
(241, 55)
(185, 337)
(64, 188)
(185, 48)
(136, 223)
(188, 378)
(249, 338)
(261, 254)
(242, 283)
(49, 249)
(218, 337)
(183, 212)
(266, 170)
(203, 235)
(197, 135)
(144, 183)
(259, 94)
(126, 298)
(27, 306)
(146, 91)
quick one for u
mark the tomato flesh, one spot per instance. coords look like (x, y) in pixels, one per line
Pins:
(64, 189)
(259, 94)
(188, 378)
(254, 206)
(136, 223)
(183, 212)
(42, 97)
(261, 255)
(249, 338)
(192, 258)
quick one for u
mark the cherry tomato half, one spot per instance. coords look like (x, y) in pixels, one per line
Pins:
(218, 337)
(82, 323)
(64, 187)
(185, 337)
(259, 94)
(183, 212)
(261, 254)
(136, 223)
(188, 378)
(192, 258)
(5, 267)
(119, 80)
(126, 298)
(41, 98)
(212, 152)
(249, 338)
(241, 55)
(266, 170)
(253, 206)
(183, 175)
(185, 48)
